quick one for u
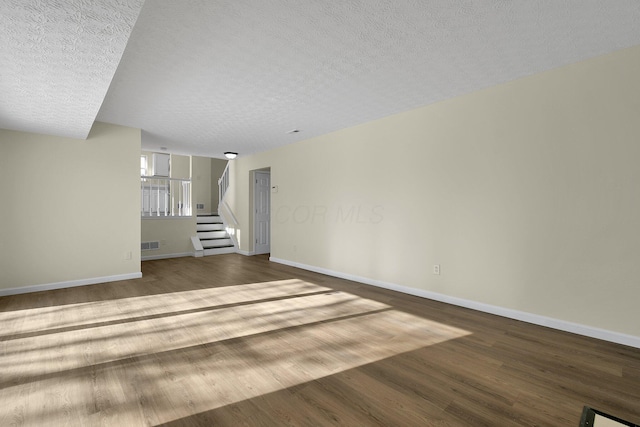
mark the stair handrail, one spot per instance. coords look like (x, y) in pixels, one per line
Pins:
(223, 184)
(224, 210)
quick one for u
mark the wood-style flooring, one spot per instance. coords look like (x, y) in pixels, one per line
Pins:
(231, 340)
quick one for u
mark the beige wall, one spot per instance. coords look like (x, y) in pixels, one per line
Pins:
(63, 215)
(174, 235)
(527, 194)
(202, 184)
(180, 166)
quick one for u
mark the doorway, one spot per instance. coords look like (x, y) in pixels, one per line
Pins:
(262, 211)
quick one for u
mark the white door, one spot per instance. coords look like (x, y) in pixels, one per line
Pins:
(262, 203)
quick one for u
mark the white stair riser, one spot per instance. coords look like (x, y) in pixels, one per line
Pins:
(216, 243)
(212, 234)
(210, 227)
(208, 219)
(219, 251)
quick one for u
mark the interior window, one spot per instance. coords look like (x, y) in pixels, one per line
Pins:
(143, 165)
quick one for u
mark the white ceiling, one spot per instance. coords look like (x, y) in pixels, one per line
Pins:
(57, 59)
(206, 76)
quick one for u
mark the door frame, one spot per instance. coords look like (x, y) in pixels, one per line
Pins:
(254, 180)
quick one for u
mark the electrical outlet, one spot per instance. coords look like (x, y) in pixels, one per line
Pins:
(127, 256)
(436, 269)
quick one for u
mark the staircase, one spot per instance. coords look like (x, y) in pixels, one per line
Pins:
(213, 236)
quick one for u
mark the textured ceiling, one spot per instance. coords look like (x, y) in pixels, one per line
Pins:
(57, 59)
(206, 76)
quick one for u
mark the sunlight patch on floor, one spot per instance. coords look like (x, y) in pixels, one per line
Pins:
(168, 367)
(64, 316)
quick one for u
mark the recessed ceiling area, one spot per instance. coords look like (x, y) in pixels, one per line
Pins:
(202, 77)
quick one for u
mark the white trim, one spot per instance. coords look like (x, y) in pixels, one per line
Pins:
(562, 325)
(197, 247)
(69, 284)
(246, 253)
(167, 256)
(197, 244)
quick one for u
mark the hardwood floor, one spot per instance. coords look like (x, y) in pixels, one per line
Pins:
(239, 341)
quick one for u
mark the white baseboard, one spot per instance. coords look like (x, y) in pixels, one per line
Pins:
(166, 256)
(69, 284)
(562, 325)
